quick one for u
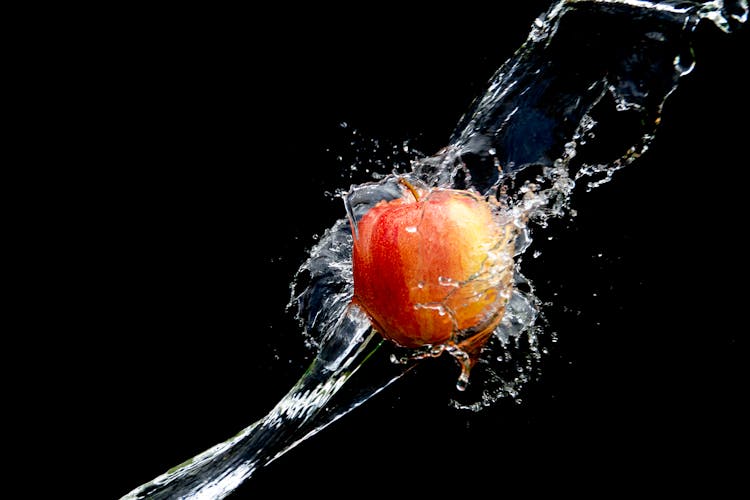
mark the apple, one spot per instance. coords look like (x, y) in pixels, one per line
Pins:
(434, 268)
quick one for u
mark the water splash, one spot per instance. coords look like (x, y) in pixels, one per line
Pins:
(545, 126)
(574, 105)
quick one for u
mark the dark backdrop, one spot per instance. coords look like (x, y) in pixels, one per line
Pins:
(219, 146)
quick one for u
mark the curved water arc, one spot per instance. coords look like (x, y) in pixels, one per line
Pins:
(461, 169)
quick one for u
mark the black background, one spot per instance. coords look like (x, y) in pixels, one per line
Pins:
(214, 138)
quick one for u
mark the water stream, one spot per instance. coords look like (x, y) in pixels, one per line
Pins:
(582, 98)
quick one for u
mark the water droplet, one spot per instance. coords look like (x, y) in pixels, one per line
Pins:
(411, 229)
(445, 281)
(463, 381)
(435, 307)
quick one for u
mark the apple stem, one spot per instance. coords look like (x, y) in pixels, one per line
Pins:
(410, 186)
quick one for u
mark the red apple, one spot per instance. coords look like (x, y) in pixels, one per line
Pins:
(433, 267)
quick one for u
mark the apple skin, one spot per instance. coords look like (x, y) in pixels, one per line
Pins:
(433, 268)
